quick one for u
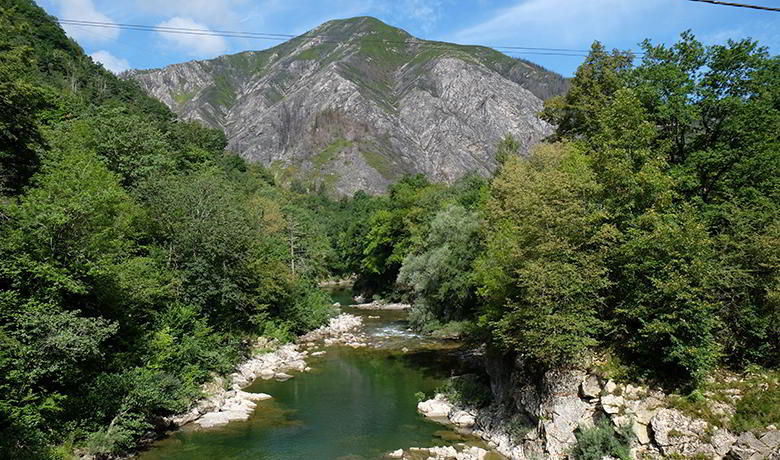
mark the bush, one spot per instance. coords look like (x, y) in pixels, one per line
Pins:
(467, 391)
(759, 406)
(600, 440)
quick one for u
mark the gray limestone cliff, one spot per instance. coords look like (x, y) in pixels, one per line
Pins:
(356, 104)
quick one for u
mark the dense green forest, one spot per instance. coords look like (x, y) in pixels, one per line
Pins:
(138, 257)
(647, 228)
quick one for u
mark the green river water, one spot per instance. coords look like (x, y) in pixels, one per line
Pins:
(355, 404)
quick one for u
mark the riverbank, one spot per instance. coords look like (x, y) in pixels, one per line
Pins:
(540, 416)
(225, 400)
(358, 400)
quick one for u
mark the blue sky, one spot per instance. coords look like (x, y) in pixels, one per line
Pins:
(570, 24)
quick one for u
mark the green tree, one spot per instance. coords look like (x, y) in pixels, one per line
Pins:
(543, 273)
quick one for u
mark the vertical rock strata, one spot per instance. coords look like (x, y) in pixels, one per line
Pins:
(356, 104)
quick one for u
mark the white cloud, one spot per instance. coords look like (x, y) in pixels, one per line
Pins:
(84, 10)
(110, 62)
(195, 45)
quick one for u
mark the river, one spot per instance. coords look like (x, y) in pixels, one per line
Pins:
(355, 404)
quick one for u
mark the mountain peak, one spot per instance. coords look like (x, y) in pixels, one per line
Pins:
(355, 104)
(358, 29)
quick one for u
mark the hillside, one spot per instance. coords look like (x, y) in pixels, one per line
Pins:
(356, 104)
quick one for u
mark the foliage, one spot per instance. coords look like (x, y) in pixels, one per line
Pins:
(543, 269)
(759, 406)
(135, 256)
(602, 440)
(466, 391)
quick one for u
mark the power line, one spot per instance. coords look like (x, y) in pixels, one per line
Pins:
(738, 5)
(323, 38)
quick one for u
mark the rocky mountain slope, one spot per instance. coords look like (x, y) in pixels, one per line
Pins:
(356, 104)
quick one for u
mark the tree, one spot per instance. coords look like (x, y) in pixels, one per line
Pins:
(439, 270)
(543, 273)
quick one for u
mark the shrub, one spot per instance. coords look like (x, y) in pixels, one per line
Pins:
(600, 440)
(466, 390)
(759, 406)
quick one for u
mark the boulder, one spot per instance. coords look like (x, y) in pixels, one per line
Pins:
(612, 404)
(590, 388)
(748, 447)
(677, 434)
(462, 419)
(771, 439)
(722, 441)
(252, 396)
(438, 407)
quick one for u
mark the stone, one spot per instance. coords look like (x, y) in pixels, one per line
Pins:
(771, 439)
(396, 454)
(677, 434)
(253, 396)
(438, 407)
(462, 419)
(318, 353)
(643, 415)
(611, 386)
(748, 439)
(641, 432)
(612, 404)
(722, 440)
(590, 387)
(632, 392)
(187, 417)
(267, 373)
(281, 376)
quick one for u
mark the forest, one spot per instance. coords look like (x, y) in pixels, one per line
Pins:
(138, 257)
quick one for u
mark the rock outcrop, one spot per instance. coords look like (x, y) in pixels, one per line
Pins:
(356, 104)
(536, 416)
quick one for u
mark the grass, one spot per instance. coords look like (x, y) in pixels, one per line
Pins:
(758, 407)
(184, 97)
(222, 93)
(381, 164)
(310, 54)
(329, 153)
(760, 403)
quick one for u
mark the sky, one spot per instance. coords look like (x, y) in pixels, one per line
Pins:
(569, 24)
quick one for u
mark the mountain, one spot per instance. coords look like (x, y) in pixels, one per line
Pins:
(356, 104)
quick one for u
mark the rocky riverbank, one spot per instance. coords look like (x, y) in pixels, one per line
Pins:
(537, 417)
(457, 452)
(382, 306)
(226, 402)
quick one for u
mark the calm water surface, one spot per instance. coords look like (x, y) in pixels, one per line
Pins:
(355, 404)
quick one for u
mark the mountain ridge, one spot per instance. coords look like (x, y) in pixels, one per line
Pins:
(355, 104)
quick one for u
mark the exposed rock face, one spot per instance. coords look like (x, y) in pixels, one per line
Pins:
(356, 104)
(536, 415)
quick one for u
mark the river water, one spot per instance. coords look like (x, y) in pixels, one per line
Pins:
(355, 404)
